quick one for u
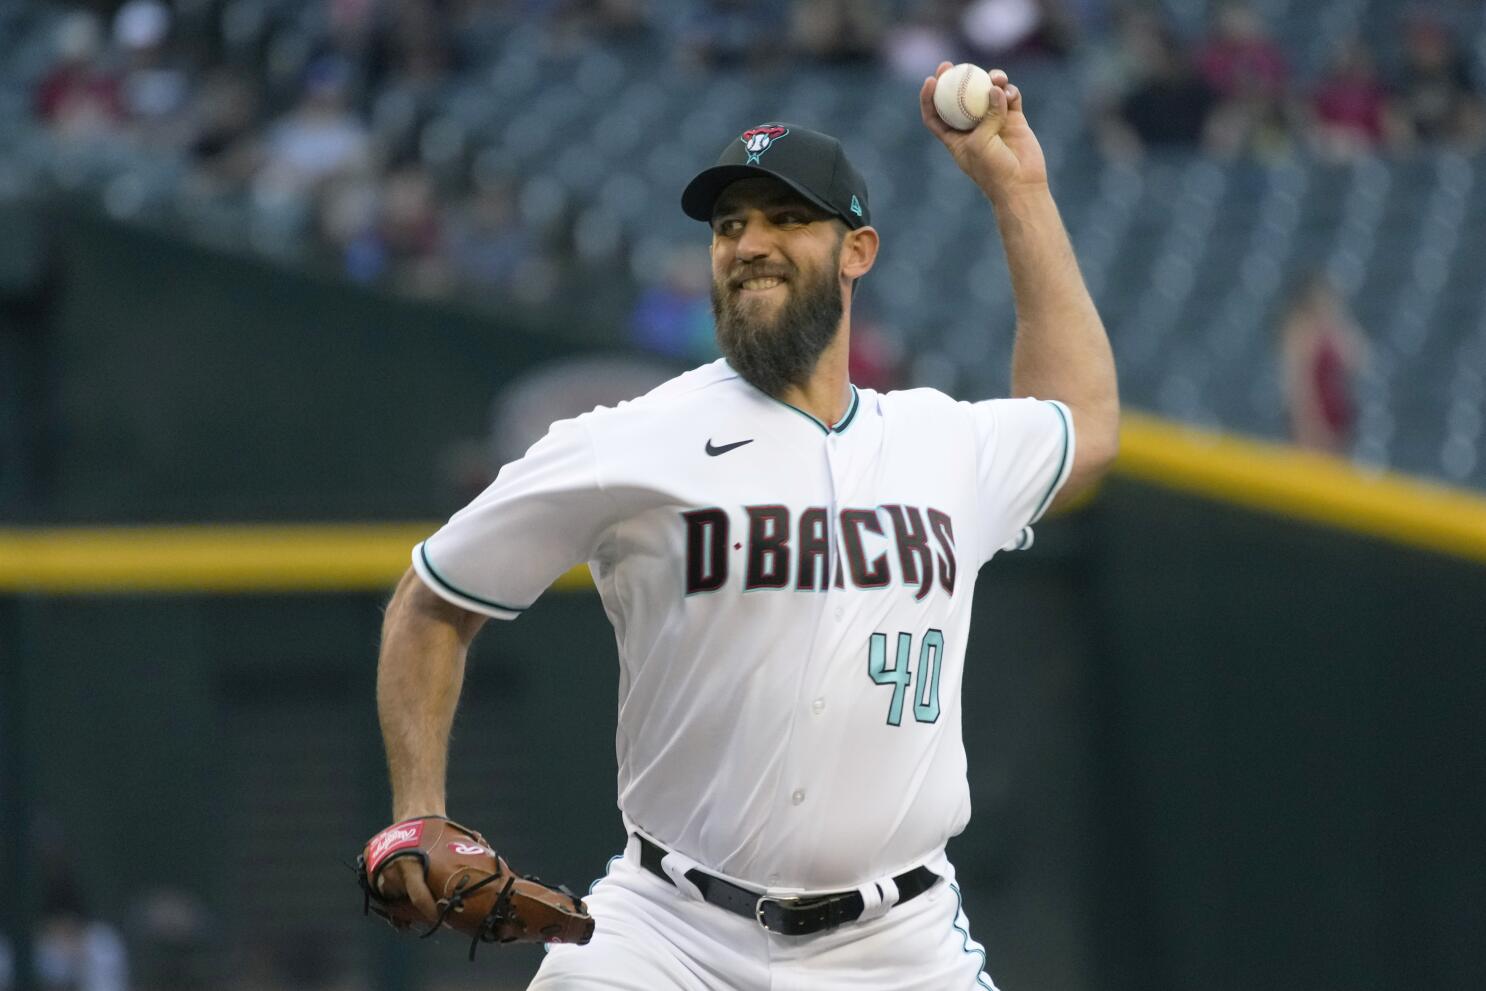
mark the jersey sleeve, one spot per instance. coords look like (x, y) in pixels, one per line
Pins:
(544, 513)
(1025, 452)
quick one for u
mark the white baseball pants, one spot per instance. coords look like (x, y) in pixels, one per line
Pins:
(651, 936)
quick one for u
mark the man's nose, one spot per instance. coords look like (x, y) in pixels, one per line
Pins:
(754, 242)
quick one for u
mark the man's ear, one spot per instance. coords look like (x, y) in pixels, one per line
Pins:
(858, 252)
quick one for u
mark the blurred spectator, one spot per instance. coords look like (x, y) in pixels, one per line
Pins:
(153, 90)
(79, 97)
(320, 138)
(995, 29)
(73, 951)
(1165, 104)
(1116, 62)
(225, 123)
(1322, 350)
(406, 74)
(420, 53)
(411, 233)
(487, 243)
(347, 226)
(837, 30)
(1248, 71)
(1350, 109)
(1436, 93)
(1239, 59)
(390, 230)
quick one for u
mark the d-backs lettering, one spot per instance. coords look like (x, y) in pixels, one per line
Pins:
(785, 556)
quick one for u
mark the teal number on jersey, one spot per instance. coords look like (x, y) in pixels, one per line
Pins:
(898, 675)
(930, 658)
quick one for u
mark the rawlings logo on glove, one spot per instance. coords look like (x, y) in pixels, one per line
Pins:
(476, 891)
(390, 839)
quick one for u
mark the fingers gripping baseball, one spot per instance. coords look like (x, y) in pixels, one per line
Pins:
(1000, 152)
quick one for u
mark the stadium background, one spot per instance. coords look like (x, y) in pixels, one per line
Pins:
(281, 284)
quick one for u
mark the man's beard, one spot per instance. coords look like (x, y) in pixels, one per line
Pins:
(774, 352)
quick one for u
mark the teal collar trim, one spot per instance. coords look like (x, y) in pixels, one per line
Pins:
(840, 425)
(851, 412)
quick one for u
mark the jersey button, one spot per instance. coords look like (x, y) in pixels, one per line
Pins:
(818, 706)
(839, 613)
(798, 796)
(772, 880)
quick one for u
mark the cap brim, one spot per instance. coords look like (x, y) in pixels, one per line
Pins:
(700, 196)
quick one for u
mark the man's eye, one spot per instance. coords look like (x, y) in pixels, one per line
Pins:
(729, 227)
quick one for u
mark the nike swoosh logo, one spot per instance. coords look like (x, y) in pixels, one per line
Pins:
(725, 448)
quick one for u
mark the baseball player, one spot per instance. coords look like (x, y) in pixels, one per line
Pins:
(788, 562)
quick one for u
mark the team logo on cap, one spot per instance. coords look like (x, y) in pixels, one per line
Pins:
(760, 139)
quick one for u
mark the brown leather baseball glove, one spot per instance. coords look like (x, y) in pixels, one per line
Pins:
(477, 893)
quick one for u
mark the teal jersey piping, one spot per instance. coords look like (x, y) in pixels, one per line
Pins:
(840, 425)
(423, 553)
(851, 412)
(965, 933)
(1062, 464)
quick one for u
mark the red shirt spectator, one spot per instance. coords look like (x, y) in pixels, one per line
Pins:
(1350, 102)
(77, 93)
(1240, 58)
(71, 91)
(1322, 351)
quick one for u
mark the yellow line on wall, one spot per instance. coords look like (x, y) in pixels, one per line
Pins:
(207, 558)
(370, 557)
(1286, 481)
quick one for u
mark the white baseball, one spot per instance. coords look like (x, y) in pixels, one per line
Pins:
(963, 96)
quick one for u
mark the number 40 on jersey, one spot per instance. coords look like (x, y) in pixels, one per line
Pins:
(899, 675)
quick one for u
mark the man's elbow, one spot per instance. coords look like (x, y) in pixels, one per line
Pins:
(416, 602)
(1098, 445)
(1106, 447)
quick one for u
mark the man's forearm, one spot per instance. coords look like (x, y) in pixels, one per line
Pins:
(1061, 350)
(419, 675)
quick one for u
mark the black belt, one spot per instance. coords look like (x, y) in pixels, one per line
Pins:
(786, 915)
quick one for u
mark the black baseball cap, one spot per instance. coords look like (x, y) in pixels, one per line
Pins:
(809, 162)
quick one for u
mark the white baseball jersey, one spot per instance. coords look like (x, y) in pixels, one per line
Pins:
(791, 601)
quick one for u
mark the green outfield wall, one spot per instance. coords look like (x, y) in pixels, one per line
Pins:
(1290, 752)
(166, 381)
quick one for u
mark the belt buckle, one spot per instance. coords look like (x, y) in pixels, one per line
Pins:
(784, 902)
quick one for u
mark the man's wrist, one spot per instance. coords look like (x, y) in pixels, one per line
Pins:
(403, 811)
